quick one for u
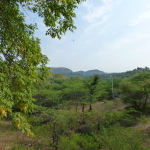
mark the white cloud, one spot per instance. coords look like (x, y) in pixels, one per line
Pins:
(130, 40)
(99, 11)
(96, 24)
(140, 18)
(135, 37)
(96, 12)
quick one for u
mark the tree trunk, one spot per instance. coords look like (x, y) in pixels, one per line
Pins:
(98, 126)
(90, 107)
(76, 106)
(83, 106)
(55, 137)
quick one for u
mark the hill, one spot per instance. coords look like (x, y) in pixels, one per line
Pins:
(69, 73)
(105, 76)
(61, 70)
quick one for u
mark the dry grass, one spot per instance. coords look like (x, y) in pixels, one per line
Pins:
(8, 137)
(143, 126)
(110, 106)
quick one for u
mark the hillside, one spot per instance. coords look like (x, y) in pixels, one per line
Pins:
(69, 73)
(61, 70)
(105, 76)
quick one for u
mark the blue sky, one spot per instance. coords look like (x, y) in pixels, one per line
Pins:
(111, 35)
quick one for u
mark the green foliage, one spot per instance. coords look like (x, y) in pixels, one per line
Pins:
(18, 146)
(105, 100)
(57, 15)
(78, 142)
(104, 90)
(58, 93)
(116, 138)
(126, 74)
(75, 92)
(136, 90)
(48, 97)
(104, 76)
(20, 60)
(22, 65)
(143, 119)
(61, 132)
(65, 129)
(124, 118)
(91, 85)
(64, 92)
(51, 124)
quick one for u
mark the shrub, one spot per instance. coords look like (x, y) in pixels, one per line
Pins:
(119, 138)
(136, 90)
(78, 142)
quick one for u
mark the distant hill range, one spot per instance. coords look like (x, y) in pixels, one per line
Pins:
(69, 73)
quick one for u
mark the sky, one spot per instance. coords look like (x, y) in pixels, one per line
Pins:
(111, 36)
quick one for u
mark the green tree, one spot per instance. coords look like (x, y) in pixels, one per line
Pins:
(91, 85)
(21, 62)
(48, 97)
(102, 92)
(75, 91)
(136, 90)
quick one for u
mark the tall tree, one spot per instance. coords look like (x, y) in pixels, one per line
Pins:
(91, 84)
(136, 90)
(75, 91)
(21, 62)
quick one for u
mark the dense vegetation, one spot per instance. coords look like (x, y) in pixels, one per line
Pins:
(64, 113)
(105, 76)
(82, 113)
(22, 65)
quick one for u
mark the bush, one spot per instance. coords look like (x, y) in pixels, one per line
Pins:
(143, 119)
(136, 90)
(119, 138)
(78, 142)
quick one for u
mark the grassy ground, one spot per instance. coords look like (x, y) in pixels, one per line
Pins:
(11, 139)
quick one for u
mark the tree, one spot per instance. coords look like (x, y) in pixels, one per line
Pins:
(75, 91)
(21, 62)
(102, 92)
(91, 84)
(136, 90)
